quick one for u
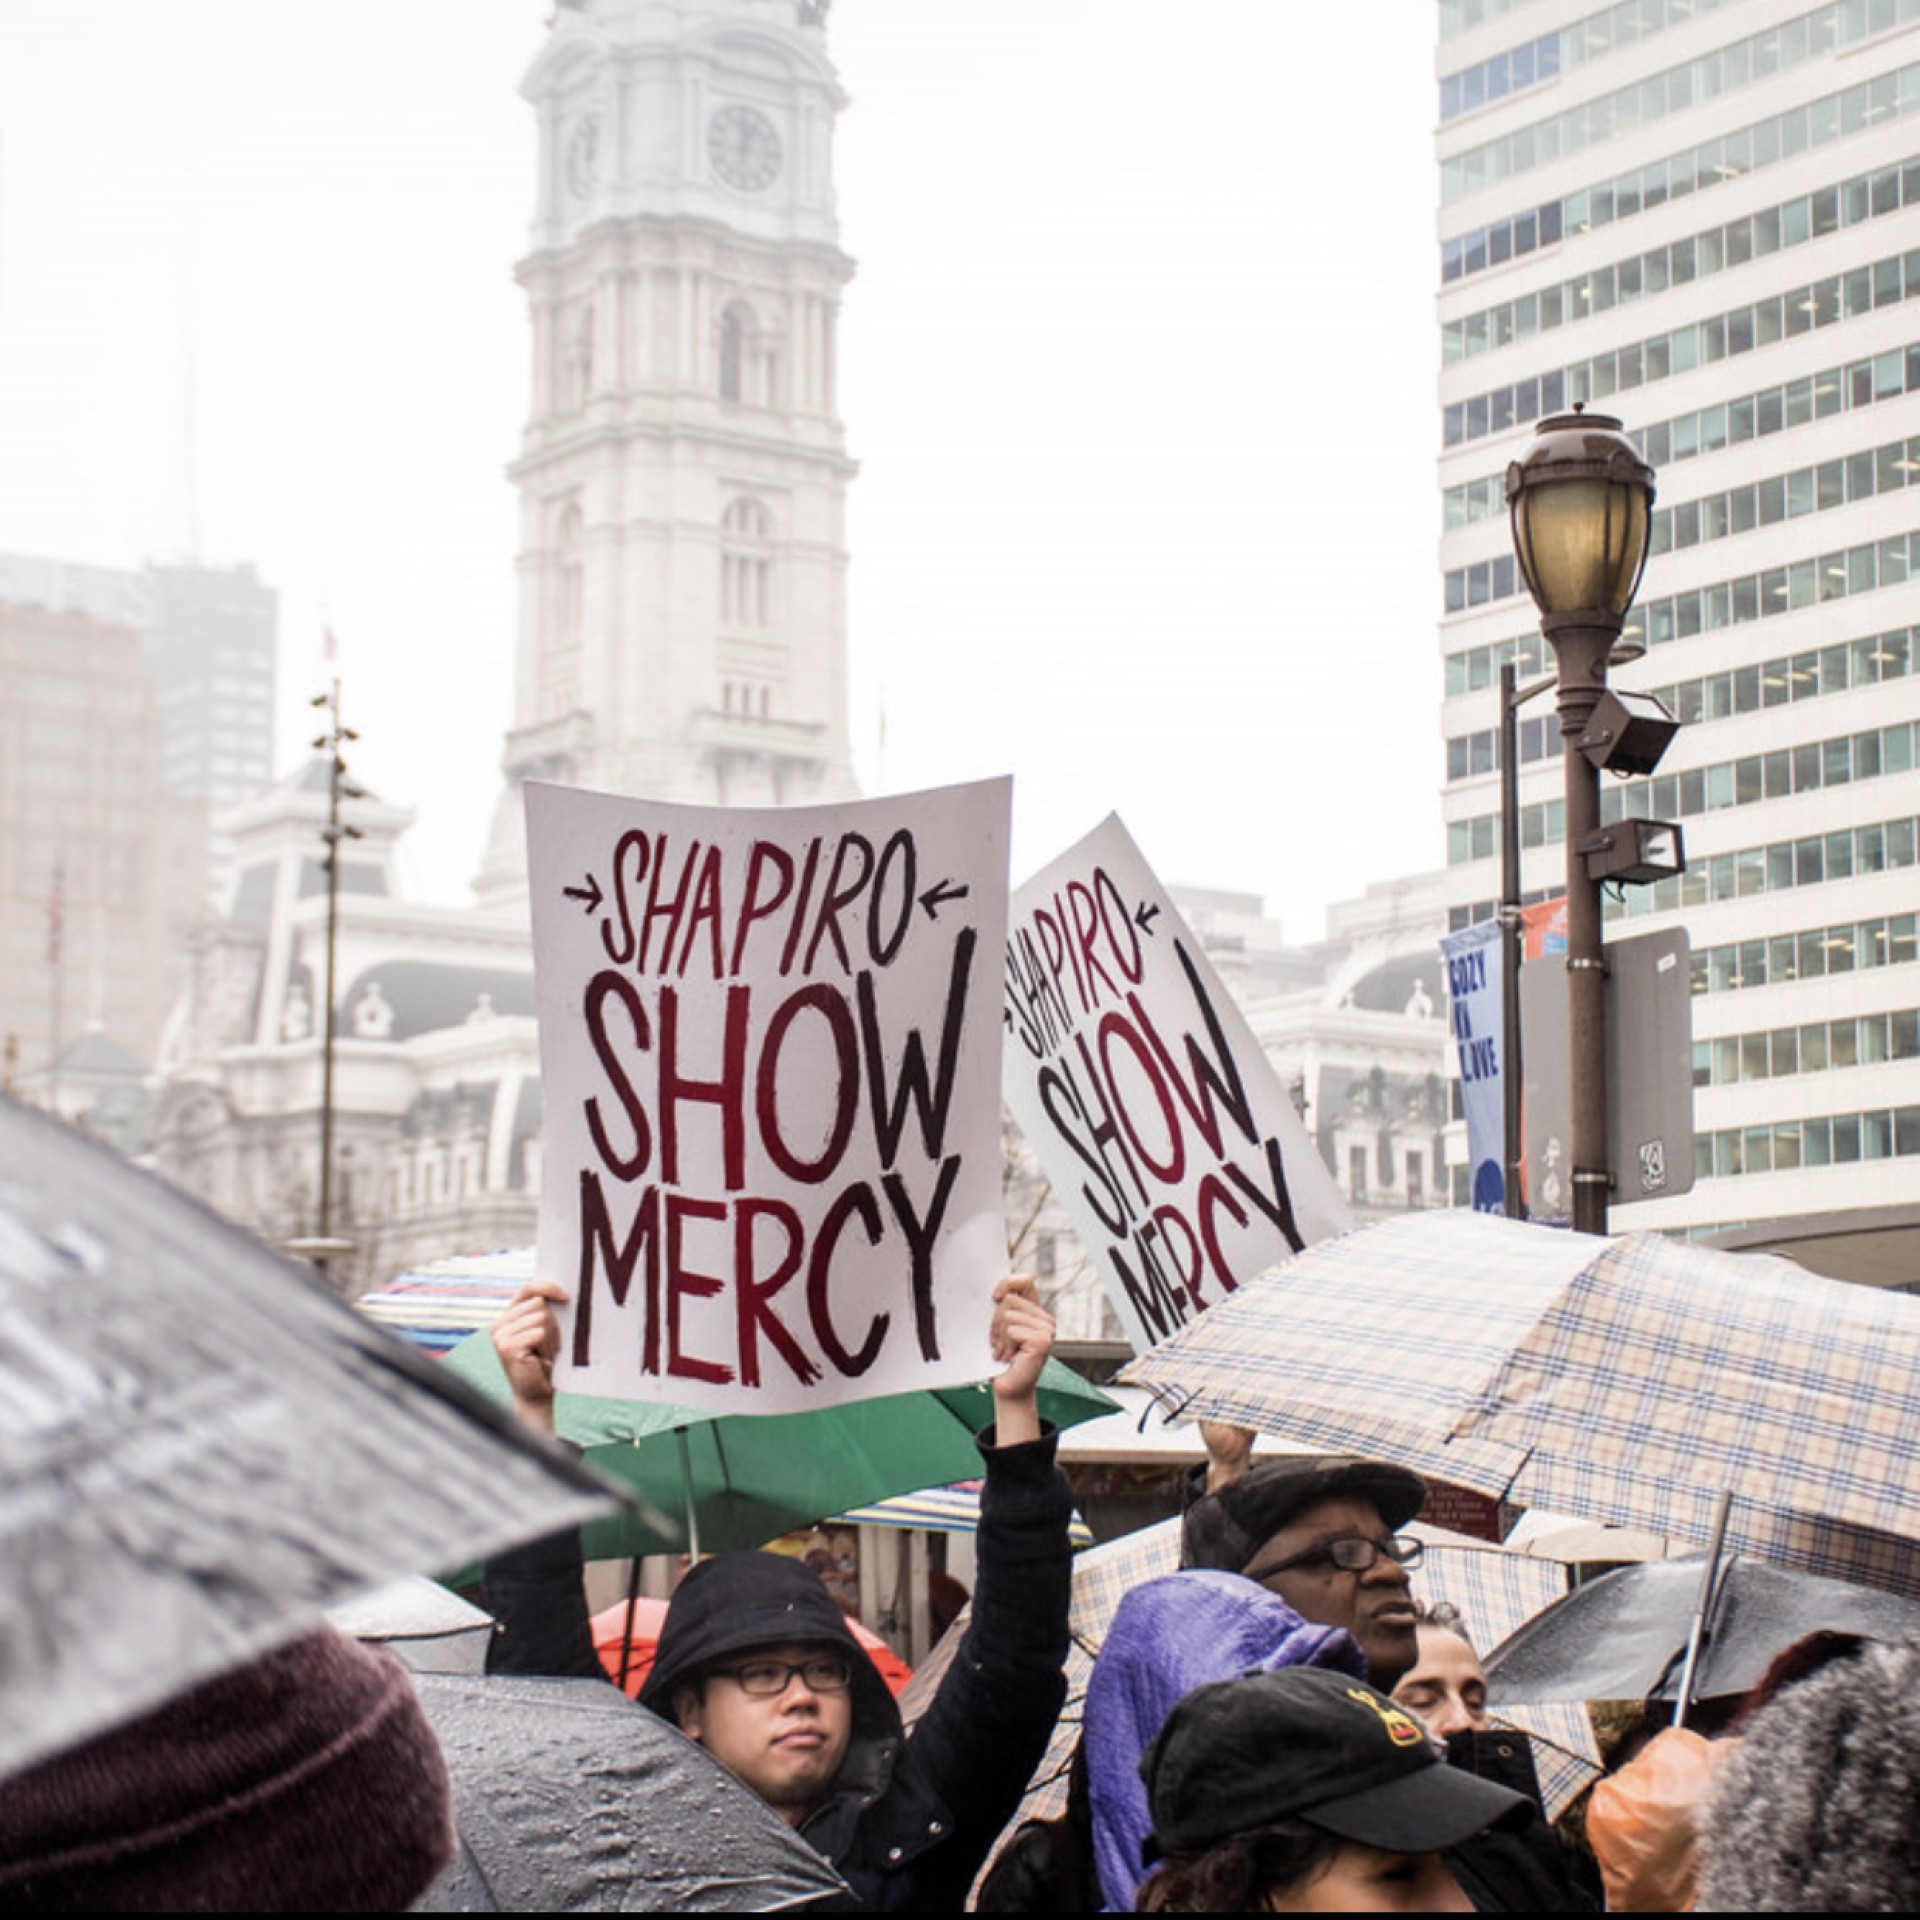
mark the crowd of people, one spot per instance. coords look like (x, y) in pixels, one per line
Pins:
(1277, 1726)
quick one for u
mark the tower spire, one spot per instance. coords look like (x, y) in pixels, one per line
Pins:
(683, 472)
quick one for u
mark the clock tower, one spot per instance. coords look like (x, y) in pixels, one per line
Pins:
(683, 474)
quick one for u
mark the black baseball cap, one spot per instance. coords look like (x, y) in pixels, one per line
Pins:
(1226, 1529)
(1314, 1745)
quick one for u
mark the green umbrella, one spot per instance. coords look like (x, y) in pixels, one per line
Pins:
(702, 1482)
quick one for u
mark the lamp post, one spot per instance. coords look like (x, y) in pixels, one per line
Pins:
(1580, 504)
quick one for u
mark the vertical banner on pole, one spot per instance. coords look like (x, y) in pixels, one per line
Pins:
(1144, 1093)
(1473, 984)
(770, 1089)
(1547, 1105)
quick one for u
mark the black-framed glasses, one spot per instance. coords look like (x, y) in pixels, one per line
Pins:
(824, 1673)
(1350, 1553)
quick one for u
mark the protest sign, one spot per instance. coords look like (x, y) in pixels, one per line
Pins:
(1473, 986)
(771, 1103)
(1151, 1106)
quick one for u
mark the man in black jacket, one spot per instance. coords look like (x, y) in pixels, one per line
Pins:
(757, 1663)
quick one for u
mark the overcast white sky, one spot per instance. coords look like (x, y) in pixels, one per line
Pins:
(1139, 365)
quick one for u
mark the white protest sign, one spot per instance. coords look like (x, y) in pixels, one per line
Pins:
(1141, 1088)
(770, 1093)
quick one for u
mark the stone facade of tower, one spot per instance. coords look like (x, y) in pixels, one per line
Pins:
(683, 474)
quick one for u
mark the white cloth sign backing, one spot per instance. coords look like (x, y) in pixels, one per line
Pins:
(1151, 1106)
(771, 1171)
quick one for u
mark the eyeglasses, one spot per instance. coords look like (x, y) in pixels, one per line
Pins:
(1350, 1553)
(824, 1673)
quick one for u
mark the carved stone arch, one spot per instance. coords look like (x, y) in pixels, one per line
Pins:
(747, 519)
(1371, 954)
(747, 536)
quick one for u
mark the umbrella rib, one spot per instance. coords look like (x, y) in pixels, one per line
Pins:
(472, 1859)
(686, 1488)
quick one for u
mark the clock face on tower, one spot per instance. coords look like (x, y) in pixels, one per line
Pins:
(744, 148)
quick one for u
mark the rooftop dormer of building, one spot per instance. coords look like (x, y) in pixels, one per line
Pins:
(279, 854)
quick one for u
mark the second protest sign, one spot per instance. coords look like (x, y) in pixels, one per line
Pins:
(1143, 1091)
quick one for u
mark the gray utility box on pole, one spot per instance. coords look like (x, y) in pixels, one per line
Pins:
(1649, 1016)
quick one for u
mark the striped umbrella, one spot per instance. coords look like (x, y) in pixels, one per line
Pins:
(1627, 1381)
(954, 1509)
(436, 1307)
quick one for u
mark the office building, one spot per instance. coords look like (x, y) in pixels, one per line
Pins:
(98, 862)
(1703, 216)
(208, 642)
(210, 647)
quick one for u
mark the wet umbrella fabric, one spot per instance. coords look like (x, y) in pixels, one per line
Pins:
(753, 1477)
(420, 1623)
(200, 1451)
(1621, 1637)
(569, 1799)
(1628, 1381)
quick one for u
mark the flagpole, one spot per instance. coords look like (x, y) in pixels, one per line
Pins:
(333, 743)
(56, 919)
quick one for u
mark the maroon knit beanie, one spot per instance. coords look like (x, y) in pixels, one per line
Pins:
(309, 1781)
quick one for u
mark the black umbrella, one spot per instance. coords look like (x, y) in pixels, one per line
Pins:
(1624, 1636)
(570, 1799)
(200, 1450)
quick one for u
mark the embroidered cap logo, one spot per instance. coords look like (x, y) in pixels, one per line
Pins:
(1402, 1730)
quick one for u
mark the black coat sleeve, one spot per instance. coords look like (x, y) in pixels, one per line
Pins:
(988, 1726)
(536, 1594)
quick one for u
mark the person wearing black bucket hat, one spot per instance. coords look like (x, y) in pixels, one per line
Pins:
(1306, 1791)
(1324, 1534)
(757, 1663)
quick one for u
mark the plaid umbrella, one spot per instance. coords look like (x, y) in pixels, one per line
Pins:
(1628, 1381)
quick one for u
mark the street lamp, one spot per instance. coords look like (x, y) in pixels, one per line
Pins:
(324, 1245)
(1580, 504)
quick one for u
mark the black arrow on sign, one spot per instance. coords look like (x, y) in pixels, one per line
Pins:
(590, 893)
(1146, 916)
(939, 893)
